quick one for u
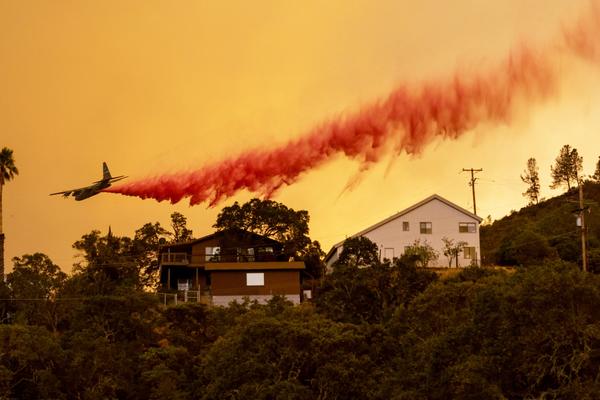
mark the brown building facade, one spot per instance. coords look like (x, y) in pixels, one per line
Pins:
(227, 266)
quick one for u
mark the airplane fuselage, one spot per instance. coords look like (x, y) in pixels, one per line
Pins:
(95, 188)
(92, 190)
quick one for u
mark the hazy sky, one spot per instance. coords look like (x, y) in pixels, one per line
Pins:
(151, 86)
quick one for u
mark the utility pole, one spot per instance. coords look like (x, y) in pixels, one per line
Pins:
(472, 184)
(583, 228)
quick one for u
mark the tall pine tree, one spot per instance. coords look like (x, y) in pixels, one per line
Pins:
(596, 176)
(567, 167)
(532, 179)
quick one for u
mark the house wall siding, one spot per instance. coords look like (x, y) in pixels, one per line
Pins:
(199, 250)
(445, 223)
(233, 283)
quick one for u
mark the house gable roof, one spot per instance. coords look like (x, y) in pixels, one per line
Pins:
(265, 239)
(404, 212)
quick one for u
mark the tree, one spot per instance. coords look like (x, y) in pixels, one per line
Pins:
(277, 221)
(108, 265)
(8, 170)
(111, 262)
(532, 179)
(313, 260)
(36, 281)
(180, 231)
(268, 218)
(452, 250)
(567, 168)
(527, 334)
(30, 363)
(420, 254)
(596, 176)
(145, 249)
(359, 252)
(295, 354)
(526, 248)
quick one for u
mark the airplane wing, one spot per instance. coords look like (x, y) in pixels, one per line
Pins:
(68, 193)
(111, 180)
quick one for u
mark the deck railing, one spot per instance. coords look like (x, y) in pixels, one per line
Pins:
(175, 258)
(185, 258)
(184, 296)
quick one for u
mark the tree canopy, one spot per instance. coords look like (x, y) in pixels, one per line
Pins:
(279, 222)
(181, 233)
(388, 330)
(566, 168)
(8, 169)
(359, 252)
(547, 230)
(531, 177)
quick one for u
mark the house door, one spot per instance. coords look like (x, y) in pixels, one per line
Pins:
(388, 253)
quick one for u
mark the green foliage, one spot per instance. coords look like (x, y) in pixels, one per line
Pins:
(545, 230)
(596, 176)
(386, 331)
(526, 335)
(111, 263)
(532, 178)
(108, 265)
(145, 249)
(277, 221)
(8, 169)
(370, 295)
(421, 254)
(181, 233)
(452, 249)
(359, 252)
(31, 361)
(268, 218)
(296, 354)
(35, 283)
(526, 248)
(103, 342)
(567, 167)
(376, 330)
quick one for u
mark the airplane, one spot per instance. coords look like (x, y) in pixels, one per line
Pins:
(95, 188)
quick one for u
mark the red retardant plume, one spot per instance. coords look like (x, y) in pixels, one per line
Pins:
(406, 120)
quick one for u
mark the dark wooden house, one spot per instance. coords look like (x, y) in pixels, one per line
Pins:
(231, 265)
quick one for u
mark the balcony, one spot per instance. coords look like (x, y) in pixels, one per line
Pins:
(227, 256)
(237, 258)
(174, 259)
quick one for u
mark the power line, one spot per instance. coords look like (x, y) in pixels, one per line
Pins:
(53, 300)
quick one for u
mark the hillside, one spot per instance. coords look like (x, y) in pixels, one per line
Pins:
(545, 231)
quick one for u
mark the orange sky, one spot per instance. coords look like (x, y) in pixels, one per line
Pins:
(152, 86)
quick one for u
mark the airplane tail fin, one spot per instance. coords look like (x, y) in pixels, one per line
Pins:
(105, 171)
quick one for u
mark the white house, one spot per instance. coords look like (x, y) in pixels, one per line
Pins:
(428, 221)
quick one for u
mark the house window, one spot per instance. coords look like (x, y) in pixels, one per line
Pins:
(469, 253)
(212, 253)
(255, 279)
(467, 227)
(426, 227)
(245, 255)
(405, 226)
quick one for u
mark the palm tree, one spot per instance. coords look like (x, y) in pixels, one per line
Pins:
(8, 170)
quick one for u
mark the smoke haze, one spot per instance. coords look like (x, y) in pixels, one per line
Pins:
(406, 120)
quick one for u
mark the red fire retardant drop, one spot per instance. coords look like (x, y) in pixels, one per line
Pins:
(408, 119)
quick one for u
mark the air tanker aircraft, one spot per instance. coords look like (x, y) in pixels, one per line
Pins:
(95, 188)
